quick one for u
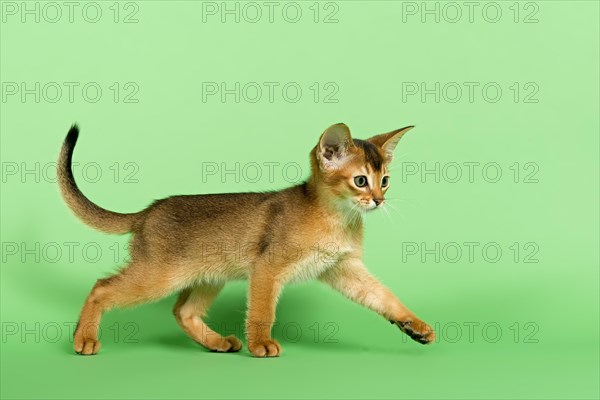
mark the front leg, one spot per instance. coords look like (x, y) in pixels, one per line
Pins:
(351, 278)
(264, 290)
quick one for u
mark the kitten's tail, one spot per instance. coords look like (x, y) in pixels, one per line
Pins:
(93, 215)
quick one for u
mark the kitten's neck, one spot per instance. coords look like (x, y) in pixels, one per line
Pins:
(349, 217)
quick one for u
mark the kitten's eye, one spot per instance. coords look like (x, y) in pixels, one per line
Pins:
(385, 181)
(360, 181)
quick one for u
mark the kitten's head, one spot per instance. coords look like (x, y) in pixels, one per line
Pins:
(355, 172)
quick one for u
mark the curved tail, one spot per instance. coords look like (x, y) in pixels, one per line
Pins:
(91, 214)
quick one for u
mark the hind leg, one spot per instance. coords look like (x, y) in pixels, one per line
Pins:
(189, 310)
(132, 286)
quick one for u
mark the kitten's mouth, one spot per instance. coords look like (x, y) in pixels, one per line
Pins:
(362, 206)
(367, 206)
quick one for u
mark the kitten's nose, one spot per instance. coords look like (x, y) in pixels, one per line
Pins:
(377, 201)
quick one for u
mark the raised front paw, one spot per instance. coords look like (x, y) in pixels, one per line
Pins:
(417, 330)
(265, 348)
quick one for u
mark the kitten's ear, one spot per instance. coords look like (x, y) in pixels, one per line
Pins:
(334, 146)
(388, 141)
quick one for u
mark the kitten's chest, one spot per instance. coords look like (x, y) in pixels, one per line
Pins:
(323, 245)
(312, 261)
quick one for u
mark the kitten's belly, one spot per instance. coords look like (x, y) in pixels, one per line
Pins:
(223, 272)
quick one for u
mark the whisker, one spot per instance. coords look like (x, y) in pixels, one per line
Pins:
(403, 199)
(350, 216)
(397, 161)
(387, 213)
(397, 211)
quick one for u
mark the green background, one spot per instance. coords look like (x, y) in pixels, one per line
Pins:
(547, 311)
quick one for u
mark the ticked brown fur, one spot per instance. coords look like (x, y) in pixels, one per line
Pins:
(195, 244)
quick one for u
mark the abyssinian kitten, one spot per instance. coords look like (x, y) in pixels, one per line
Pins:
(312, 230)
